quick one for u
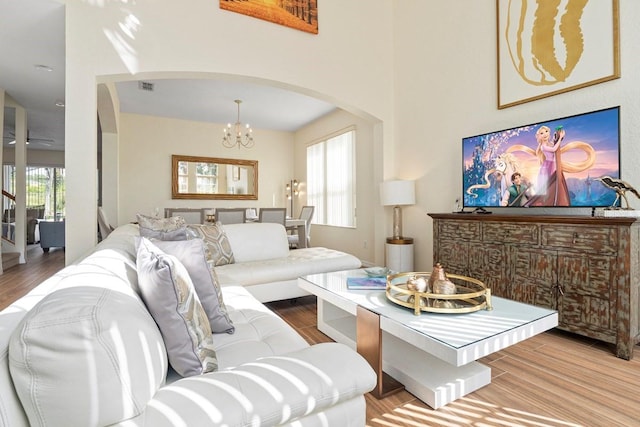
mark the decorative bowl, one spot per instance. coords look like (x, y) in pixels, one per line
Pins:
(468, 295)
(377, 271)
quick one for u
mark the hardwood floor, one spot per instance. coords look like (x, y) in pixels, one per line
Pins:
(553, 379)
(19, 280)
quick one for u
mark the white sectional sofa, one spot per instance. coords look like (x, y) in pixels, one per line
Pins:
(266, 266)
(82, 349)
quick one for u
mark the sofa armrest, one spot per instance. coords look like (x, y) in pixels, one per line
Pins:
(270, 391)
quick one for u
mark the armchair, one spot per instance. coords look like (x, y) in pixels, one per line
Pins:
(51, 235)
(35, 214)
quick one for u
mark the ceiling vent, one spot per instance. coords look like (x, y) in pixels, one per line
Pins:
(148, 86)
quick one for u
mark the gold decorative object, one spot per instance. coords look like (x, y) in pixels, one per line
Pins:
(438, 292)
(418, 284)
(544, 50)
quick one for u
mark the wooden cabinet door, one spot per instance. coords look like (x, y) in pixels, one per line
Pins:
(589, 295)
(451, 244)
(487, 262)
(453, 255)
(533, 276)
(483, 262)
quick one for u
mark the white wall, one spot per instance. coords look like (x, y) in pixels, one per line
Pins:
(359, 241)
(446, 89)
(349, 63)
(146, 146)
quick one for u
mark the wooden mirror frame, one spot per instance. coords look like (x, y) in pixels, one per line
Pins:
(176, 194)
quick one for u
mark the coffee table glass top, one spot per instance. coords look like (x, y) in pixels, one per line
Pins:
(454, 330)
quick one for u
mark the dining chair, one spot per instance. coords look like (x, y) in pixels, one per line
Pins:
(103, 224)
(277, 215)
(190, 215)
(306, 213)
(252, 214)
(231, 215)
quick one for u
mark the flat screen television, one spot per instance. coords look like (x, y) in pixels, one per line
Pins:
(558, 160)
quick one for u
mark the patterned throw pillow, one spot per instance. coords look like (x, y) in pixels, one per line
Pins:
(216, 242)
(171, 299)
(193, 255)
(173, 228)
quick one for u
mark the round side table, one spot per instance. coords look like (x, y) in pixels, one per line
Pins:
(399, 254)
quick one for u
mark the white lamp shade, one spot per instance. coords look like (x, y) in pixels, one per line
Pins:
(398, 192)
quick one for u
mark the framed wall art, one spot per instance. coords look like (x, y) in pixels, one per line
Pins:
(547, 47)
(299, 14)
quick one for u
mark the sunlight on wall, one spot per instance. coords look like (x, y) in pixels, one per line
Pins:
(120, 40)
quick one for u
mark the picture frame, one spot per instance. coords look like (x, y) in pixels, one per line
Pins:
(297, 14)
(544, 51)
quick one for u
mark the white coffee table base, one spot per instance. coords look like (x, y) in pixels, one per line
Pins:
(430, 379)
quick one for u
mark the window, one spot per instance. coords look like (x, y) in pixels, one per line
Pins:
(207, 178)
(45, 188)
(331, 183)
(204, 174)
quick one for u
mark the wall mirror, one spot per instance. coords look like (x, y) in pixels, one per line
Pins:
(213, 178)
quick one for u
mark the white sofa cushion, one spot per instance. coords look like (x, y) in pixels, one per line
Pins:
(259, 331)
(168, 292)
(76, 360)
(321, 385)
(192, 254)
(257, 241)
(295, 263)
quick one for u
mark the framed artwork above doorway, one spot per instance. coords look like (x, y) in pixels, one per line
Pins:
(298, 14)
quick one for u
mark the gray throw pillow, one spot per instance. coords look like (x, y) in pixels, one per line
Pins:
(171, 299)
(192, 254)
(172, 228)
(216, 242)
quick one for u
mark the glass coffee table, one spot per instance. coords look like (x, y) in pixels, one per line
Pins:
(432, 355)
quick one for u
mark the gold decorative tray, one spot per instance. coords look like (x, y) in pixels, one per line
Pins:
(470, 294)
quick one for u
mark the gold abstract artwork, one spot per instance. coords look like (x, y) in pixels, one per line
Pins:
(546, 47)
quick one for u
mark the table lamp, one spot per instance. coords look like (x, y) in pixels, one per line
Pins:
(396, 193)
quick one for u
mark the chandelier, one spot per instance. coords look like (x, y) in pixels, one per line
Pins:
(230, 139)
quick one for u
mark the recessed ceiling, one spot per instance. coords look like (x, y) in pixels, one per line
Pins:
(263, 107)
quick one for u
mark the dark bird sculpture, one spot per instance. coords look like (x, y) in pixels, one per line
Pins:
(620, 187)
